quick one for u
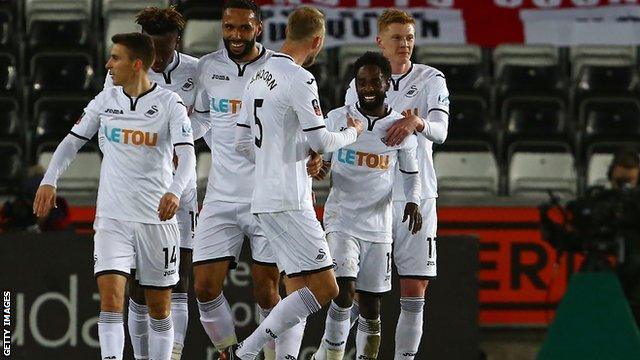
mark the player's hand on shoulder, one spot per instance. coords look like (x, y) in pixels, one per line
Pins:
(355, 123)
(44, 201)
(168, 206)
(412, 212)
(402, 128)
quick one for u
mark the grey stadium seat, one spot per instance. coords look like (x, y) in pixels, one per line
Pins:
(201, 37)
(468, 173)
(533, 173)
(118, 25)
(597, 169)
(58, 10)
(81, 177)
(115, 7)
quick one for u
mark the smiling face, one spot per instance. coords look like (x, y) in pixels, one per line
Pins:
(371, 86)
(240, 29)
(397, 42)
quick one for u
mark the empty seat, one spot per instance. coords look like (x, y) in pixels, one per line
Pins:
(81, 177)
(120, 7)
(606, 78)
(201, 37)
(11, 128)
(118, 25)
(513, 51)
(469, 118)
(59, 33)
(54, 117)
(200, 9)
(535, 169)
(466, 172)
(534, 119)
(462, 65)
(586, 54)
(57, 9)
(8, 74)
(597, 169)
(610, 119)
(11, 163)
(61, 72)
(530, 76)
(203, 165)
(7, 28)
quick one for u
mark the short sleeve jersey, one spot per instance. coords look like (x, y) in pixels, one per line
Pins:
(363, 175)
(419, 91)
(136, 137)
(220, 85)
(281, 105)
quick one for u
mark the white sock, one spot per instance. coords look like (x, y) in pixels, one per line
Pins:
(290, 311)
(138, 323)
(355, 313)
(288, 344)
(368, 338)
(160, 338)
(269, 349)
(217, 320)
(336, 331)
(180, 317)
(409, 328)
(111, 334)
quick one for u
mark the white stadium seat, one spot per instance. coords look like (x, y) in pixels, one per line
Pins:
(449, 54)
(597, 169)
(111, 7)
(201, 37)
(533, 173)
(81, 177)
(468, 173)
(58, 10)
(118, 25)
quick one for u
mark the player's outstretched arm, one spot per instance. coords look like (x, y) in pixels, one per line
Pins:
(323, 141)
(408, 167)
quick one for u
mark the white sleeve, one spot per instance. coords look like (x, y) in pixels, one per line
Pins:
(244, 135)
(200, 121)
(62, 157)
(436, 123)
(408, 167)
(351, 97)
(182, 139)
(303, 95)
(89, 122)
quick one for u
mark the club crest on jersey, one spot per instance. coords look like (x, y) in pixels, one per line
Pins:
(443, 100)
(359, 158)
(186, 129)
(316, 107)
(114, 111)
(220, 77)
(413, 91)
(152, 112)
(188, 85)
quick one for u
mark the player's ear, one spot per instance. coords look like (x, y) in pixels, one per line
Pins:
(316, 42)
(259, 29)
(379, 41)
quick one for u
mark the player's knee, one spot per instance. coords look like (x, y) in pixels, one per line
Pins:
(330, 292)
(266, 296)
(370, 306)
(159, 311)
(112, 302)
(413, 287)
(346, 293)
(183, 284)
(206, 290)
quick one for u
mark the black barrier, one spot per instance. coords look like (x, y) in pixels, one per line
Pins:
(51, 303)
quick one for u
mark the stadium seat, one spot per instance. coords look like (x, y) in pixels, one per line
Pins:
(11, 163)
(118, 25)
(606, 78)
(54, 34)
(585, 54)
(203, 165)
(7, 29)
(466, 172)
(8, 74)
(201, 9)
(606, 119)
(539, 76)
(512, 51)
(57, 9)
(59, 71)
(535, 168)
(111, 8)
(462, 65)
(11, 128)
(81, 177)
(597, 168)
(534, 118)
(201, 37)
(55, 116)
(469, 119)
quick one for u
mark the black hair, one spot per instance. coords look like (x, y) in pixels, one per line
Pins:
(374, 58)
(139, 45)
(243, 4)
(627, 158)
(160, 21)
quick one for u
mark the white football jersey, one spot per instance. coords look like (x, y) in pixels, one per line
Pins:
(363, 175)
(419, 91)
(137, 137)
(220, 84)
(281, 104)
(179, 77)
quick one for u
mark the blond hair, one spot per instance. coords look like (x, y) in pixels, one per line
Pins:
(304, 23)
(394, 16)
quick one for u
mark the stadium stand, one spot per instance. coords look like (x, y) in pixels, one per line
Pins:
(468, 171)
(81, 177)
(201, 36)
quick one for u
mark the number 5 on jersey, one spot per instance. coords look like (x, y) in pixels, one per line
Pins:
(256, 104)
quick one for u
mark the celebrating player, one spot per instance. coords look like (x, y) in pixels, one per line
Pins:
(358, 211)
(281, 120)
(139, 126)
(176, 72)
(420, 92)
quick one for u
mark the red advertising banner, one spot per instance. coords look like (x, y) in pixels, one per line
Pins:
(483, 22)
